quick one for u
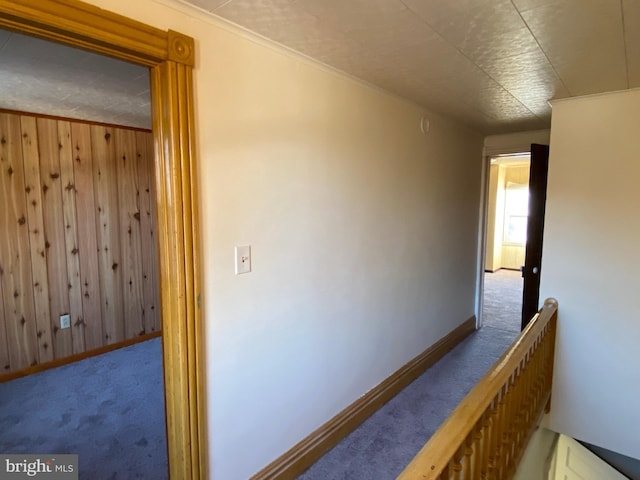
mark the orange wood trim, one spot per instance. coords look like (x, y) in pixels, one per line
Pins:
(309, 450)
(180, 48)
(76, 357)
(170, 56)
(86, 26)
(177, 192)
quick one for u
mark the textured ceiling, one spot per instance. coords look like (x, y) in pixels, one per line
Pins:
(44, 77)
(492, 64)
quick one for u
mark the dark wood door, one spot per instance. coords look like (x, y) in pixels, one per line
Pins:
(535, 230)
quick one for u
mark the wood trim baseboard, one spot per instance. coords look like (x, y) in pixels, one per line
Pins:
(301, 456)
(58, 362)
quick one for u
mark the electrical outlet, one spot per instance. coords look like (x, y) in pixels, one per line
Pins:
(65, 321)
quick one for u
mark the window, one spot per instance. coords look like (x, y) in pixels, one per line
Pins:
(515, 213)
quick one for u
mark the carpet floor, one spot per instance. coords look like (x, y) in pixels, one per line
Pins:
(108, 409)
(503, 300)
(385, 443)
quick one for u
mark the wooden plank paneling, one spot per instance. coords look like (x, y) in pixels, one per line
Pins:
(151, 287)
(4, 351)
(77, 237)
(105, 183)
(33, 189)
(129, 216)
(15, 265)
(86, 225)
(56, 259)
(72, 251)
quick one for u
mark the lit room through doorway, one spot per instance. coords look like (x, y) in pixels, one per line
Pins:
(506, 238)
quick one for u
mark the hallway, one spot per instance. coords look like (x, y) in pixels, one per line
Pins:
(503, 300)
(387, 441)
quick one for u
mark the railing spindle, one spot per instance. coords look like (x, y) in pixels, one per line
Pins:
(485, 436)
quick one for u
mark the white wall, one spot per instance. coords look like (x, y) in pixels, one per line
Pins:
(536, 458)
(363, 234)
(590, 264)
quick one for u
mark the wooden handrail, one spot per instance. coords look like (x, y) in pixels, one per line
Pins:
(485, 436)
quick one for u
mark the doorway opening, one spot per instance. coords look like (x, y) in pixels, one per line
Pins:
(505, 240)
(80, 260)
(170, 56)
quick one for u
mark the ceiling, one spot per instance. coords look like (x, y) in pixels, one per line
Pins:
(491, 64)
(38, 76)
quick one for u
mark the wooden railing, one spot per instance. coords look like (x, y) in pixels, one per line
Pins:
(485, 436)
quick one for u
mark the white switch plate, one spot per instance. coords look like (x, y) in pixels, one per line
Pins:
(65, 321)
(243, 259)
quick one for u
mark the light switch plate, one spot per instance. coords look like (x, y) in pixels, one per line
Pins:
(243, 259)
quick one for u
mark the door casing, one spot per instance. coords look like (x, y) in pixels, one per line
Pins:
(170, 57)
(482, 228)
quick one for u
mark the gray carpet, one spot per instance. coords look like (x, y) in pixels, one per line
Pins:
(108, 409)
(503, 300)
(387, 441)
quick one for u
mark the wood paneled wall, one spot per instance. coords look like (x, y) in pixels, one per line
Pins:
(77, 237)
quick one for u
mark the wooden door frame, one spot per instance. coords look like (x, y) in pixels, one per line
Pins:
(485, 179)
(483, 215)
(170, 57)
